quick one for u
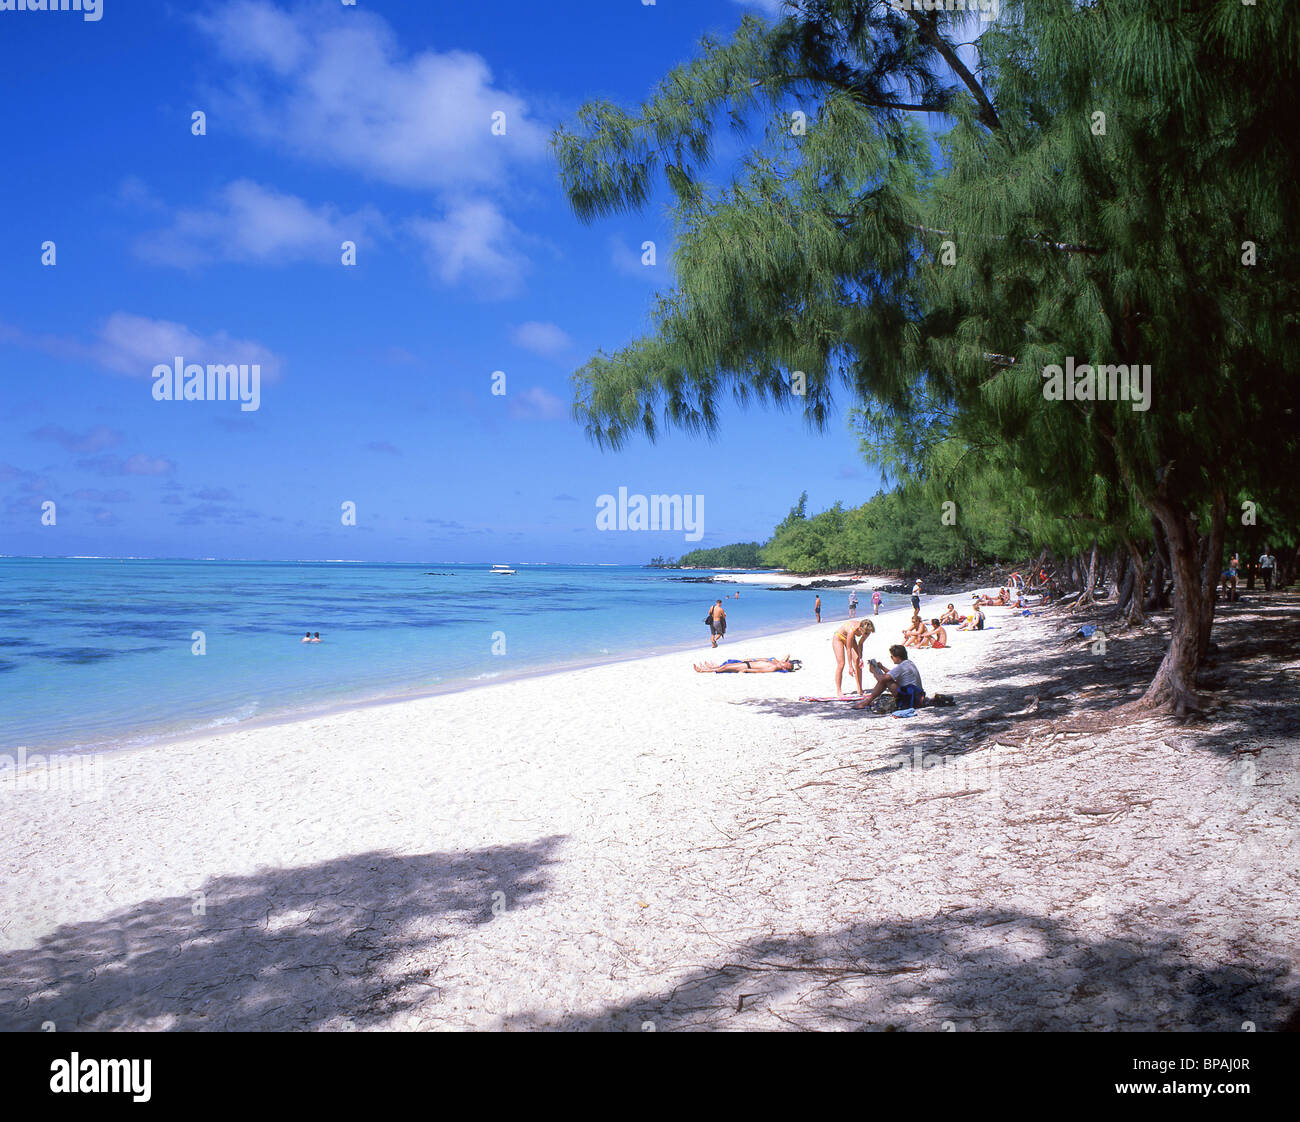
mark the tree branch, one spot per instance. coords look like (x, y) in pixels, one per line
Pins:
(929, 29)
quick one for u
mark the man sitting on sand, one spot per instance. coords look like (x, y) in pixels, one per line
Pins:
(749, 666)
(903, 681)
(952, 615)
(917, 636)
(916, 630)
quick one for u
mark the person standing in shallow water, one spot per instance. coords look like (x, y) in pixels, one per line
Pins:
(817, 608)
(853, 603)
(717, 622)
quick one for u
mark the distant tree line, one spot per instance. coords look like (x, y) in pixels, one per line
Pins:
(899, 529)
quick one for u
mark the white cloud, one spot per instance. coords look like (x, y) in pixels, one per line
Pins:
(93, 440)
(252, 223)
(475, 243)
(537, 404)
(541, 338)
(336, 86)
(774, 9)
(630, 263)
(139, 464)
(130, 344)
(134, 345)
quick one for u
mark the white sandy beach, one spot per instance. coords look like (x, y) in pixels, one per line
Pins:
(638, 847)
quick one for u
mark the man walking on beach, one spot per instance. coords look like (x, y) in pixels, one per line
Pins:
(817, 608)
(1266, 564)
(916, 596)
(717, 622)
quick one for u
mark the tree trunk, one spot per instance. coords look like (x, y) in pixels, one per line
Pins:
(1174, 685)
(1042, 564)
(1124, 574)
(1210, 573)
(1136, 612)
(1087, 579)
(1159, 598)
(1287, 572)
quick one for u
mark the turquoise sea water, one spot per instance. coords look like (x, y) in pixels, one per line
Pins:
(100, 652)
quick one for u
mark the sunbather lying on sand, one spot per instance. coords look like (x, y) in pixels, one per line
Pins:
(1001, 600)
(749, 666)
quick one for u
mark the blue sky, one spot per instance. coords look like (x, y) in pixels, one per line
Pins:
(327, 122)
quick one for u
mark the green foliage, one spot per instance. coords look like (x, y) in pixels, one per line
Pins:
(901, 529)
(1117, 183)
(824, 253)
(743, 555)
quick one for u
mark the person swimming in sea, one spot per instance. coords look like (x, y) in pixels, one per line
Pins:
(316, 639)
(307, 638)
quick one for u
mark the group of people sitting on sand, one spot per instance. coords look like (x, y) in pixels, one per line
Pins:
(919, 635)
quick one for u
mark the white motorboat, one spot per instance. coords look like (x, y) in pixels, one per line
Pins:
(503, 570)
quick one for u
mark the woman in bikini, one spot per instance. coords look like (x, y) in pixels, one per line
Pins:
(749, 666)
(847, 644)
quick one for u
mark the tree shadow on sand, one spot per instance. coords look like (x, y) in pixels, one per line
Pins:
(1075, 680)
(987, 970)
(325, 945)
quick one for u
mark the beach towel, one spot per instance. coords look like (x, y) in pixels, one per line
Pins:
(905, 713)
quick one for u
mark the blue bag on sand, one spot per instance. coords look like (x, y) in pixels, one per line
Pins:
(904, 712)
(1026, 612)
(1088, 629)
